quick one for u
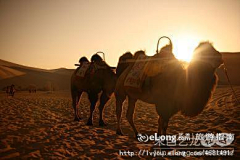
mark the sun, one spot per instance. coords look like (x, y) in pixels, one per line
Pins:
(183, 47)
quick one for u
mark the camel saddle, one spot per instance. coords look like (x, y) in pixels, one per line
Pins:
(146, 67)
(90, 68)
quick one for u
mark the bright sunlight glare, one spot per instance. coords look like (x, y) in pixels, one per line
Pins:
(183, 47)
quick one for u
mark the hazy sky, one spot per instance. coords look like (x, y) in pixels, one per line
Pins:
(56, 33)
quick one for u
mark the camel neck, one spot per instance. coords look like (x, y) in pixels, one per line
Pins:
(200, 80)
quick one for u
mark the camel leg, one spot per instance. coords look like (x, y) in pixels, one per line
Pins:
(163, 120)
(160, 125)
(162, 129)
(77, 104)
(119, 102)
(103, 100)
(130, 113)
(93, 97)
(165, 125)
(74, 105)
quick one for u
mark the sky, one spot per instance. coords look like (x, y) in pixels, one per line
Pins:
(56, 33)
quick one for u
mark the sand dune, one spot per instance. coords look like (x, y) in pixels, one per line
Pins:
(23, 76)
(41, 126)
(11, 64)
(232, 62)
(6, 72)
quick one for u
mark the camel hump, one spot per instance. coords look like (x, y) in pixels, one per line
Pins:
(83, 59)
(124, 61)
(98, 62)
(126, 56)
(139, 54)
(166, 52)
(96, 58)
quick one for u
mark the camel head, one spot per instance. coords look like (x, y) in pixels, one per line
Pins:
(205, 52)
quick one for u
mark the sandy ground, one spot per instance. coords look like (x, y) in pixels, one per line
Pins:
(41, 126)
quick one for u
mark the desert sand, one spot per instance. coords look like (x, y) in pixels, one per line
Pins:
(41, 126)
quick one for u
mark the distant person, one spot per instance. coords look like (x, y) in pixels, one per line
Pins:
(12, 90)
(32, 89)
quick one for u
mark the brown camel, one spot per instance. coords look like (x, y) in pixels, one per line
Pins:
(175, 89)
(98, 78)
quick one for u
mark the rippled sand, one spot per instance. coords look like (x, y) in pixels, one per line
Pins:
(41, 126)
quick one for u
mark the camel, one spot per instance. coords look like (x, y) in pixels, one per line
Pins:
(95, 81)
(176, 89)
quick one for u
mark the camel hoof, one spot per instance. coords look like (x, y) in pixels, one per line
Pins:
(102, 124)
(118, 132)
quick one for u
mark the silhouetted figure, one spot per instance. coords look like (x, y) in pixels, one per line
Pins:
(12, 90)
(32, 88)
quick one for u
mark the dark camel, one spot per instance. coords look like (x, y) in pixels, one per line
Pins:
(175, 89)
(95, 81)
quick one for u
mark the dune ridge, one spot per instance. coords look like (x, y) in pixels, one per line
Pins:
(23, 76)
